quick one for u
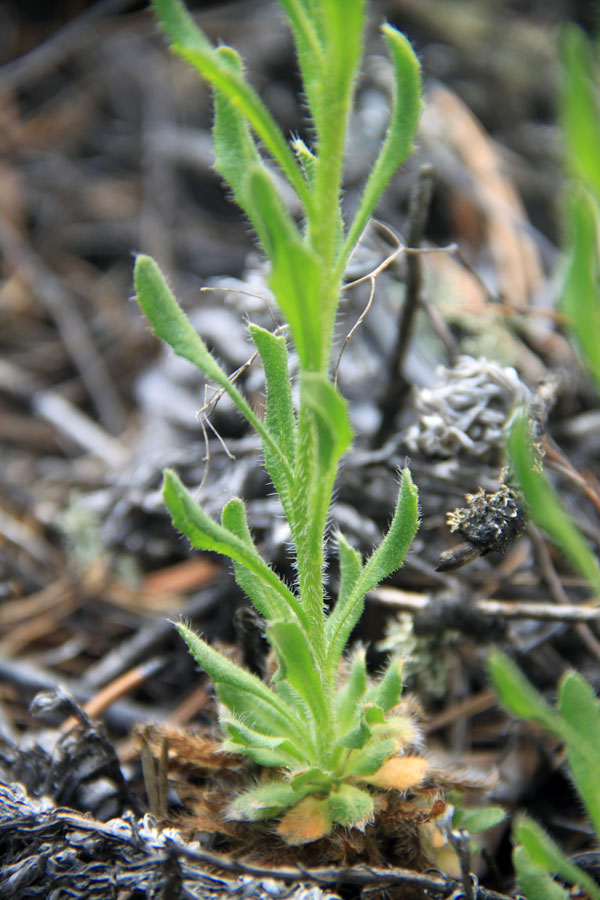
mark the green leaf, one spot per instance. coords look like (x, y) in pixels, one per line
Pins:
(280, 420)
(388, 557)
(311, 56)
(580, 110)
(387, 692)
(313, 779)
(295, 276)
(297, 666)
(582, 282)
(254, 586)
(283, 752)
(371, 758)
(261, 715)
(324, 433)
(348, 698)
(517, 693)
(545, 507)
(192, 45)
(476, 820)
(351, 806)
(330, 413)
(580, 708)
(245, 688)
(235, 147)
(262, 802)
(534, 880)
(546, 854)
(402, 128)
(205, 534)
(350, 567)
(170, 323)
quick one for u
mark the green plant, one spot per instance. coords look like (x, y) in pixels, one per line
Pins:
(576, 719)
(330, 739)
(580, 115)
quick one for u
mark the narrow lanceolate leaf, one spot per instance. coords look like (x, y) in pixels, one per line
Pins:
(534, 881)
(279, 413)
(235, 147)
(295, 276)
(546, 854)
(170, 323)
(386, 693)
(254, 586)
(298, 667)
(324, 433)
(580, 110)
(398, 143)
(280, 420)
(545, 507)
(350, 567)
(227, 674)
(580, 709)
(191, 44)
(261, 715)
(388, 557)
(243, 736)
(517, 693)
(348, 698)
(580, 292)
(206, 534)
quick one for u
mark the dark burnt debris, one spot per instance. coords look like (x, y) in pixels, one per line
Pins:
(489, 522)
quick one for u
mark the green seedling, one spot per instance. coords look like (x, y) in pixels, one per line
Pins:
(330, 736)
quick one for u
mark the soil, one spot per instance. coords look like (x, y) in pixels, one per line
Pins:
(107, 766)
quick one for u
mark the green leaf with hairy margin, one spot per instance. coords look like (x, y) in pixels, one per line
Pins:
(254, 586)
(247, 740)
(298, 667)
(546, 854)
(351, 806)
(388, 690)
(235, 147)
(191, 44)
(370, 758)
(206, 534)
(170, 323)
(517, 693)
(260, 714)
(263, 801)
(350, 567)
(295, 276)
(348, 698)
(535, 882)
(580, 709)
(279, 420)
(402, 128)
(225, 674)
(387, 558)
(545, 508)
